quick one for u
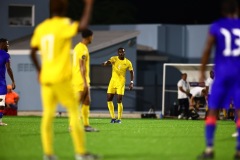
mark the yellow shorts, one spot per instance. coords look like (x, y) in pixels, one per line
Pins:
(116, 88)
(59, 93)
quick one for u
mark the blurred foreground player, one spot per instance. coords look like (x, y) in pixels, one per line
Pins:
(224, 35)
(53, 39)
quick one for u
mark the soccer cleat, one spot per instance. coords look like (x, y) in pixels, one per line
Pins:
(205, 155)
(87, 156)
(118, 121)
(236, 157)
(113, 121)
(235, 134)
(45, 157)
(90, 129)
(3, 124)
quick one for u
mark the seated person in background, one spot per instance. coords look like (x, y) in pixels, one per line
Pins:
(11, 101)
(197, 100)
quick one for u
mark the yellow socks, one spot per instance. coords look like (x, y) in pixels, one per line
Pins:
(111, 109)
(120, 110)
(85, 114)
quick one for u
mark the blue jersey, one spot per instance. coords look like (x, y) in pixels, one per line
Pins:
(4, 58)
(226, 83)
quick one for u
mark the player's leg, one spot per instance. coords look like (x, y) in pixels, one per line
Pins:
(216, 101)
(110, 94)
(85, 111)
(210, 126)
(237, 155)
(120, 108)
(120, 93)
(235, 134)
(49, 107)
(2, 106)
(236, 102)
(69, 100)
(111, 107)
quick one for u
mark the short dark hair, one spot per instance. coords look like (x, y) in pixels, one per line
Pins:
(121, 49)
(3, 40)
(229, 6)
(87, 33)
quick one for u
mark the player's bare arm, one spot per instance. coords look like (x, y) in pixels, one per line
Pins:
(106, 63)
(84, 21)
(186, 92)
(10, 73)
(33, 56)
(83, 73)
(131, 82)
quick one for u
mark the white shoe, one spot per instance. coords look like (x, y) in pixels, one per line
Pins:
(3, 124)
(180, 116)
(235, 134)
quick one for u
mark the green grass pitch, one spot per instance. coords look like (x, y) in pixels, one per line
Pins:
(134, 139)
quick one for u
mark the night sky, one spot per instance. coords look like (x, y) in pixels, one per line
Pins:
(150, 11)
(177, 11)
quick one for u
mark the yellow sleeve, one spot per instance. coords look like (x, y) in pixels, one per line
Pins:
(81, 53)
(130, 67)
(112, 59)
(71, 28)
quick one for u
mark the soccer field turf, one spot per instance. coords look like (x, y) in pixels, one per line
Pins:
(134, 139)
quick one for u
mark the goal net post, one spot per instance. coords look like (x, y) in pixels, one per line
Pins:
(192, 71)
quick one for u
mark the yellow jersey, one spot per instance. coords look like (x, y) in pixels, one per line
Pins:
(119, 68)
(53, 38)
(80, 52)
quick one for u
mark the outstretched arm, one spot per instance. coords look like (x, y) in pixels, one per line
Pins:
(10, 73)
(106, 63)
(84, 21)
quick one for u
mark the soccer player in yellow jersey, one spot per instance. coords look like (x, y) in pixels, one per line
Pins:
(120, 65)
(53, 39)
(81, 78)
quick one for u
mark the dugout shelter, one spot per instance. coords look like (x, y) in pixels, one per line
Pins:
(192, 71)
